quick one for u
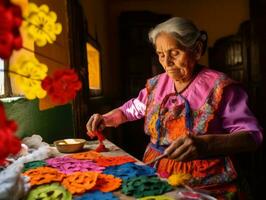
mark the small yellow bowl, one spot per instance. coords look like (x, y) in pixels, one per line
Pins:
(69, 145)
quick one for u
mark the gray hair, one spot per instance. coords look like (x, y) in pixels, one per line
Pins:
(184, 31)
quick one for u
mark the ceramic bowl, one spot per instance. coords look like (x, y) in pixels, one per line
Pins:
(69, 145)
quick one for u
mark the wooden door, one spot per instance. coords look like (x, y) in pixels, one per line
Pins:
(138, 63)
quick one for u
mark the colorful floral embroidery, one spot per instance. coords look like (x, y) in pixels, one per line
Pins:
(151, 126)
(206, 113)
(174, 125)
(176, 128)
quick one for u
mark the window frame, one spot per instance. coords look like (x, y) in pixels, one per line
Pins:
(7, 82)
(93, 42)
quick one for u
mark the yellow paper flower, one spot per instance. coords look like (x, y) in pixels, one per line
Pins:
(41, 25)
(178, 179)
(28, 74)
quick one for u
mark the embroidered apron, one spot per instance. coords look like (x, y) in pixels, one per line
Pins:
(167, 120)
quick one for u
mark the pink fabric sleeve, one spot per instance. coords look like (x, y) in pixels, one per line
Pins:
(135, 108)
(236, 115)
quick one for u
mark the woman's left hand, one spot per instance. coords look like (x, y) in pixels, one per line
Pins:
(187, 148)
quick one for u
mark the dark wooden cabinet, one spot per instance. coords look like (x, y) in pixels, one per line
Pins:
(231, 55)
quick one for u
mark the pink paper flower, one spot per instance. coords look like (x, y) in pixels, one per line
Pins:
(63, 86)
(9, 143)
(10, 21)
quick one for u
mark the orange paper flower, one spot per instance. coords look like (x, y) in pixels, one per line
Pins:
(80, 182)
(89, 155)
(116, 160)
(107, 183)
(42, 175)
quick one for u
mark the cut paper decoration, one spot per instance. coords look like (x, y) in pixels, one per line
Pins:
(33, 165)
(9, 143)
(114, 160)
(89, 155)
(178, 179)
(40, 24)
(107, 183)
(62, 86)
(28, 73)
(97, 195)
(42, 175)
(160, 197)
(145, 186)
(10, 22)
(80, 182)
(130, 170)
(69, 165)
(53, 191)
(101, 147)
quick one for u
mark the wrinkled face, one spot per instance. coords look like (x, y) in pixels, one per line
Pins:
(177, 63)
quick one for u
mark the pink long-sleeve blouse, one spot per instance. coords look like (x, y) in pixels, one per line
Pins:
(233, 115)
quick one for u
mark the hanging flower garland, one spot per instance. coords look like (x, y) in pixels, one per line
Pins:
(62, 86)
(28, 74)
(9, 143)
(41, 25)
(10, 21)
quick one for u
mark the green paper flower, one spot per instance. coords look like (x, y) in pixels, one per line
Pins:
(49, 192)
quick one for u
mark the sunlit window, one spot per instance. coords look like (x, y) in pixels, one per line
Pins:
(2, 77)
(94, 70)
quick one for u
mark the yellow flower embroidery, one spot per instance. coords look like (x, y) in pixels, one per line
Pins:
(28, 74)
(41, 25)
(152, 127)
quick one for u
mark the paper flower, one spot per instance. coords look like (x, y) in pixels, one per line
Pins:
(63, 86)
(28, 74)
(10, 21)
(9, 143)
(40, 24)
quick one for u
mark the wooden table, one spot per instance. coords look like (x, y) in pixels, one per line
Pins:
(116, 151)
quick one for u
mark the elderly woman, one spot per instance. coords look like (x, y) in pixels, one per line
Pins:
(194, 115)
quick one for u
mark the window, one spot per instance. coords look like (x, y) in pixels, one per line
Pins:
(5, 86)
(2, 77)
(94, 68)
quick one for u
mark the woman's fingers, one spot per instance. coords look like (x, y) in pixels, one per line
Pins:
(97, 118)
(178, 152)
(95, 123)
(183, 149)
(173, 147)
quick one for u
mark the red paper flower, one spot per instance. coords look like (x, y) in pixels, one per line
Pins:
(63, 86)
(9, 143)
(10, 21)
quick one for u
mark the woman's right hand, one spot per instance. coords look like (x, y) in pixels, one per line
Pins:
(95, 123)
